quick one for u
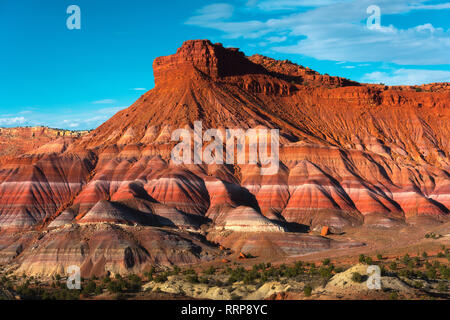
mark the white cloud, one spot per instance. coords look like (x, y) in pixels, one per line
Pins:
(12, 121)
(105, 101)
(215, 16)
(271, 5)
(337, 31)
(427, 27)
(441, 6)
(139, 89)
(407, 77)
(276, 39)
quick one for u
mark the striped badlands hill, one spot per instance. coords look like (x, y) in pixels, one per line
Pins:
(351, 155)
(17, 141)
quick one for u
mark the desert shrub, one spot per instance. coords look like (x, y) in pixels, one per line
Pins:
(406, 273)
(431, 273)
(406, 259)
(393, 296)
(445, 272)
(106, 280)
(160, 278)
(362, 258)
(116, 286)
(134, 283)
(357, 277)
(204, 280)
(393, 266)
(325, 272)
(89, 288)
(441, 255)
(210, 271)
(432, 235)
(442, 287)
(326, 261)
(424, 255)
(176, 270)
(189, 271)
(312, 270)
(339, 269)
(307, 290)
(379, 256)
(98, 291)
(192, 278)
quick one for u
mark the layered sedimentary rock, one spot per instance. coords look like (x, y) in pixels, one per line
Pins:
(105, 247)
(351, 154)
(16, 141)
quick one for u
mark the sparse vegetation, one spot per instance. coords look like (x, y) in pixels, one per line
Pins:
(307, 290)
(420, 272)
(357, 277)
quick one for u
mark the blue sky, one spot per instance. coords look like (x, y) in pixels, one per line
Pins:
(77, 79)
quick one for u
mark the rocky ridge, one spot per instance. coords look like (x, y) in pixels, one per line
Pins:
(351, 154)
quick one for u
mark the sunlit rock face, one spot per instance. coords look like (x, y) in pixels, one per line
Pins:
(112, 199)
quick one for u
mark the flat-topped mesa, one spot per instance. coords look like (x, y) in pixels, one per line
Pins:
(201, 57)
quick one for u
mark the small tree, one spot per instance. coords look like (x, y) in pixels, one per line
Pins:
(307, 290)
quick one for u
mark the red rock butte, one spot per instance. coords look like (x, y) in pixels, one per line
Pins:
(351, 155)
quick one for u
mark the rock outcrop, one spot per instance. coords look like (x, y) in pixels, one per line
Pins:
(350, 154)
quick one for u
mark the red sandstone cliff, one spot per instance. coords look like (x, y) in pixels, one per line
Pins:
(351, 154)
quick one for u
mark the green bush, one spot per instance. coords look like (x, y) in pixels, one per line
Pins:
(134, 283)
(431, 273)
(393, 296)
(357, 277)
(115, 287)
(160, 278)
(89, 288)
(442, 287)
(192, 278)
(176, 270)
(307, 290)
(406, 259)
(211, 270)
